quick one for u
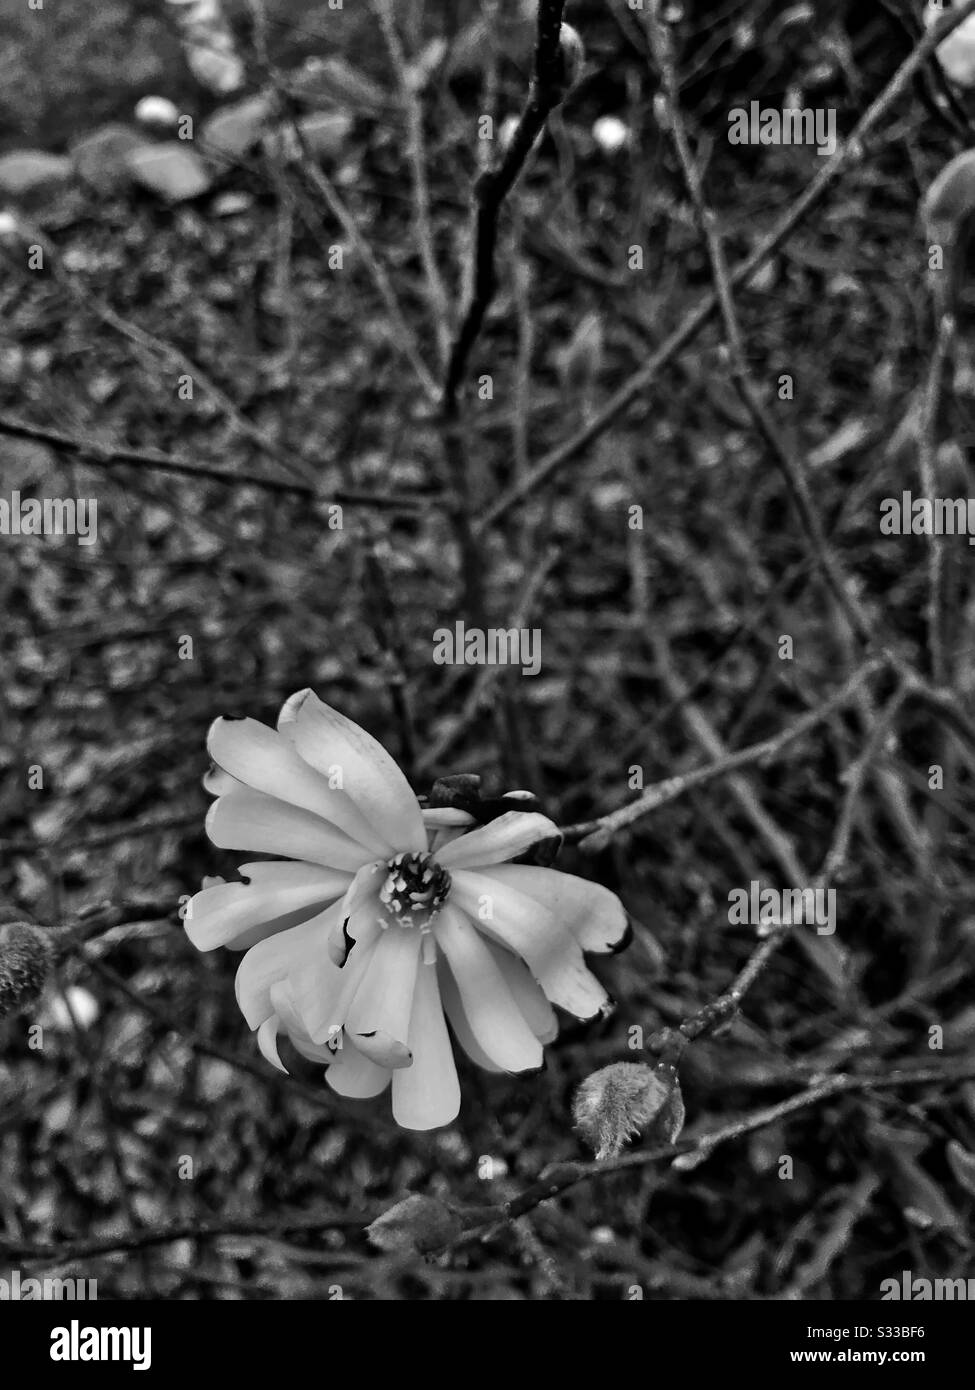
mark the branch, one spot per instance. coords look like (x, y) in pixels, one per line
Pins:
(99, 454)
(847, 154)
(563, 1176)
(598, 833)
(493, 186)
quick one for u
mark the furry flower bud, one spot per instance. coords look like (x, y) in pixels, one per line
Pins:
(419, 1224)
(624, 1099)
(26, 957)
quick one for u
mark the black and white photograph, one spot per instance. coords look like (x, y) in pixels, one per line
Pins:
(487, 575)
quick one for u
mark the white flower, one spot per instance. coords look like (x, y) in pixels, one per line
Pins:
(384, 920)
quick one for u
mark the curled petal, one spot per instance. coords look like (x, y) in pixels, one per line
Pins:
(354, 1074)
(427, 1094)
(226, 914)
(219, 783)
(361, 896)
(280, 957)
(283, 1004)
(503, 838)
(252, 821)
(324, 1018)
(267, 1041)
(497, 1023)
(594, 915)
(326, 740)
(550, 951)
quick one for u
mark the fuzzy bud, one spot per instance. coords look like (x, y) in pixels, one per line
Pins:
(418, 1224)
(572, 57)
(26, 958)
(624, 1099)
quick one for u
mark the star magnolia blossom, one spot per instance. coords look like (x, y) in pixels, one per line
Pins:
(384, 917)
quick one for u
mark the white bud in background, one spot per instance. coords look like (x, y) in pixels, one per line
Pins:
(157, 111)
(610, 133)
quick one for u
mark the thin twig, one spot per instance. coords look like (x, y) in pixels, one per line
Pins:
(847, 154)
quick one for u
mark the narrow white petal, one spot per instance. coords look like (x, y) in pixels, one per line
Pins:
(445, 824)
(219, 783)
(454, 1009)
(222, 915)
(353, 1074)
(252, 821)
(277, 958)
(504, 838)
(324, 1022)
(378, 1022)
(438, 817)
(267, 1041)
(594, 915)
(427, 1094)
(527, 992)
(284, 1006)
(550, 951)
(361, 897)
(267, 762)
(495, 1018)
(327, 741)
(315, 981)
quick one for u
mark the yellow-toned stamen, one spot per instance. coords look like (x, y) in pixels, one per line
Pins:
(414, 890)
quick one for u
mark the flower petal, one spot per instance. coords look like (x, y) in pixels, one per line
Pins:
(327, 740)
(427, 1094)
(219, 783)
(284, 1007)
(252, 821)
(528, 994)
(265, 761)
(362, 893)
(439, 817)
(278, 958)
(595, 916)
(222, 915)
(497, 1023)
(378, 1023)
(503, 838)
(454, 1009)
(550, 951)
(267, 1041)
(353, 1074)
(444, 824)
(318, 985)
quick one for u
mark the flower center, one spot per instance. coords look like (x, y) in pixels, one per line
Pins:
(415, 889)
